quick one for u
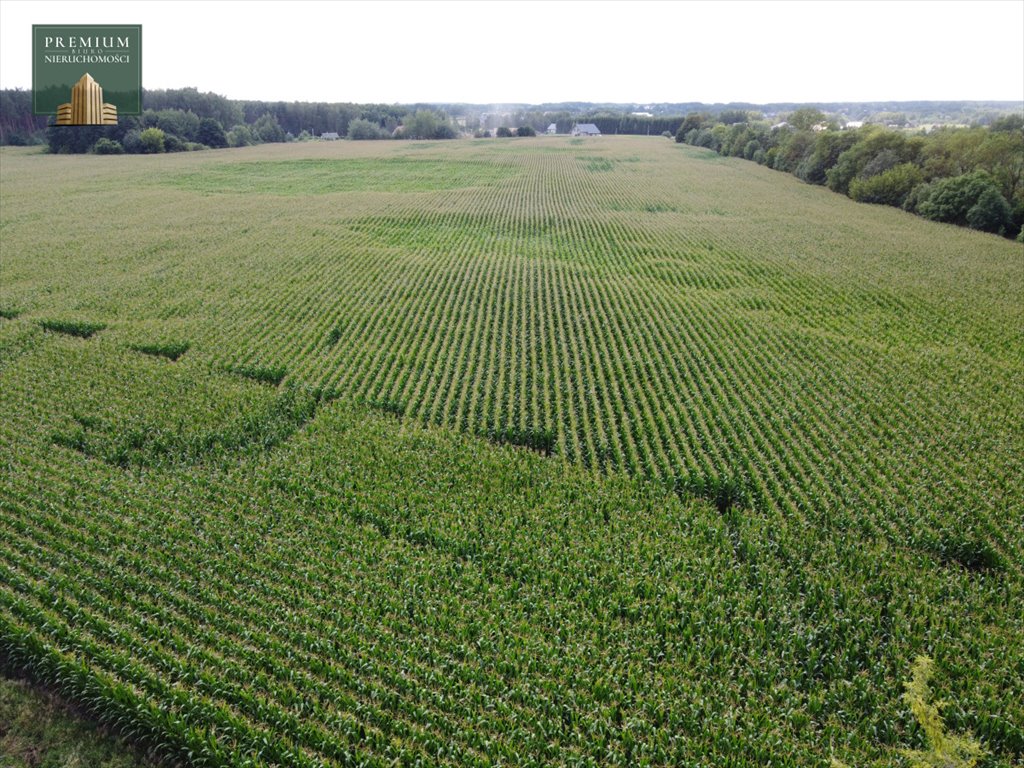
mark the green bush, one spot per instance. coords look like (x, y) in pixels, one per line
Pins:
(174, 143)
(991, 213)
(151, 141)
(211, 133)
(364, 130)
(504, 132)
(106, 146)
(969, 200)
(891, 187)
(241, 136)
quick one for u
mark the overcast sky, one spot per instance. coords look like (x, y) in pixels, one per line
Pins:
(486, 51)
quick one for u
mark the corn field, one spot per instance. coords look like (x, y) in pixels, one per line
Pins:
(526, 453)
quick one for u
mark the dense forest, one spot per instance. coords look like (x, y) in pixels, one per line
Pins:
(972, 176)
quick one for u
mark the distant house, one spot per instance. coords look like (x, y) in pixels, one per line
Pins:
(332, 136)
(553, 128)
(853, 124)
(585, 129)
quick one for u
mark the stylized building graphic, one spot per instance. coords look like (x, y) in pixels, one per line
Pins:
(86, 107)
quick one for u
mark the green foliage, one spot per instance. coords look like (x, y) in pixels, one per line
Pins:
(890, 187)
(362, 130)
(990, 213)
(173, 144)
(151, 141)
(877, 165)
(74, 139)
(504, 132)
(241, 136)
(173, 122)
(211, 133)
(692, 122)
(871, 144)
(805, 118)
(968, 200)
(427, 124)
(943, 750)
(525, 130)
(105, 146)
(268, 129)
(829, 146)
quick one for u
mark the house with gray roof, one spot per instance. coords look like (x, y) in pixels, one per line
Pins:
(585, 129)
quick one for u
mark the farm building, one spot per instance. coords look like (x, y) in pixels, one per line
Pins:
(585, 129)
(332, 136)
(553, 128)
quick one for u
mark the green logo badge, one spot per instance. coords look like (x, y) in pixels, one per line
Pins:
(87, 74)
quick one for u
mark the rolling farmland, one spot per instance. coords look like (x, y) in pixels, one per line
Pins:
(535, 452)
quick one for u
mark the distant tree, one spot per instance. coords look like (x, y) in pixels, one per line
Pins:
(733, 116)
(805, 118)
(1001, 155)
(525, 130)
(427, 124)
(692, 122)
(828, 146)
(1007, 123)
(870, 143)
(241, 136)
(211, 133)
(445, 130)
(481, 133)
(503, 132)
(177, 122)
(364, 130)
(419, 125)
(268, 129)
(796, 146)
(889, 187)
(151, 141)
(991, 212)
(969, 200)
(952, 151)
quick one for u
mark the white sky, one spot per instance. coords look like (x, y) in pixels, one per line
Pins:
(491, 51)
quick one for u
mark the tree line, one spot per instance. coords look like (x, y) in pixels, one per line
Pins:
(185, 119)
(971, 177)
